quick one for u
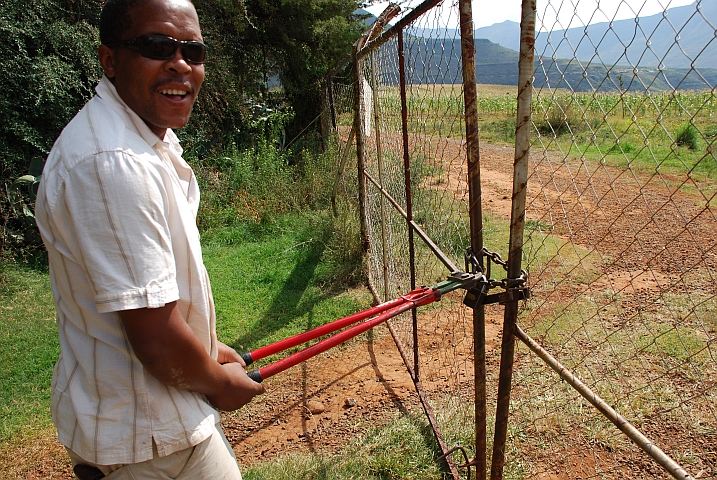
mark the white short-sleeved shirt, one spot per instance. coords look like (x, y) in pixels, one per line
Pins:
(117, 211)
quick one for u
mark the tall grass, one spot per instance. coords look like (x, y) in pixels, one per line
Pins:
(253, 185)
(402, 450)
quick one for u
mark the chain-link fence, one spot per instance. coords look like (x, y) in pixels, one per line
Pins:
(618, 232)
(621, 237)
(412, 149)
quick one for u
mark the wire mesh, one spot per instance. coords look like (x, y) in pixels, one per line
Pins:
(437, 189)
(621, 243)
(620, 228)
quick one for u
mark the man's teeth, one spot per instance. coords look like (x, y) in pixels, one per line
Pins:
(173, 92)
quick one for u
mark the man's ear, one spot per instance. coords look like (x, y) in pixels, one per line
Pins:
(107, 60)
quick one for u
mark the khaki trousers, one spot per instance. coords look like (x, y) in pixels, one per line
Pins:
(213, 459)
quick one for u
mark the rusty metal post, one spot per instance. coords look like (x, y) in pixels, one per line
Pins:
(517, 227)
(360, 147)
(476, 226)
(379, 158)
(409, 198)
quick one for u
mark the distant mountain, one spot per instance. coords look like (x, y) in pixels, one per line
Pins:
(664, 47)
(438, 60)
(368, 17)
(674, 39)
(506, 34)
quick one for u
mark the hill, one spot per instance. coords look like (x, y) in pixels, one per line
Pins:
(437, 60)
(655, 53)
(674, 39)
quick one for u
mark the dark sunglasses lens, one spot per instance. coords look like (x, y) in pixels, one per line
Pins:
(153, 46)
(194, 52)
(157, 47)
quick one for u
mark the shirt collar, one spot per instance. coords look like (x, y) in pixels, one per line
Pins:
(107, 92)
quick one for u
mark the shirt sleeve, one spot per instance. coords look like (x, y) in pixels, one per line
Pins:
(118, 205)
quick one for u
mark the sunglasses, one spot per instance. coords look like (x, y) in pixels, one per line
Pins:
(161, 47)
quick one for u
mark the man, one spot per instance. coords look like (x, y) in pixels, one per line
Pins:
(141, 372)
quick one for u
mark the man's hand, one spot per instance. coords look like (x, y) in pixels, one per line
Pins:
(170, 351)
(228, 355)
(240, 390)
(243, 388)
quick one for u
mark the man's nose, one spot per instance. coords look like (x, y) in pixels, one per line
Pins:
(178, 63)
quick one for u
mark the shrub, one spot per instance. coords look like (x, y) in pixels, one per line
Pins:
(687, 136)
(18, 229)
(559, 119)
(252, 184)
(48, 73)
(502, 130)
(622, 147)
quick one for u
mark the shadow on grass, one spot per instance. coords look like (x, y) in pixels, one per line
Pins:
(285, 307)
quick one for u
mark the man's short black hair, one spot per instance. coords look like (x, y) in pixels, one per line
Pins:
(115, 20)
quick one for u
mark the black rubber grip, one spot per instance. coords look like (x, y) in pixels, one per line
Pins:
(246, 356)
(256, 376)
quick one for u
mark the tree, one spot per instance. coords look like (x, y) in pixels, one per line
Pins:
(48, 72)
(50, 67)
(303, 40)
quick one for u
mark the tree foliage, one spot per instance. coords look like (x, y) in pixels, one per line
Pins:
(48, 71)
(50, 68)
(301, 40)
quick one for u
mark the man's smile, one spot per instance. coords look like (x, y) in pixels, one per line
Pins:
(173, 92)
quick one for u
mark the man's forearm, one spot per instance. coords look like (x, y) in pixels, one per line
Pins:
(170, 351)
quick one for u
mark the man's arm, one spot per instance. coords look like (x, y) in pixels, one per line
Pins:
(171, 352)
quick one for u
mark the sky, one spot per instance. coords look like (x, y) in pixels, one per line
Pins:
(570, 13)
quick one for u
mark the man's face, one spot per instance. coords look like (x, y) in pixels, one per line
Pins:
(161, 92)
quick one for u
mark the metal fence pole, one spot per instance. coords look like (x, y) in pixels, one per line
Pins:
(476, 227)
(409, 195)
(517, 226)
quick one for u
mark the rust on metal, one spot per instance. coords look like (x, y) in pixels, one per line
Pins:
(409, 197)
(476, 227)
(517, 227)
(399, 26)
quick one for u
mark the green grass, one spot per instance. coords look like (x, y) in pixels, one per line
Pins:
(274, 280)
(402, 450)
(269, 280)
(671, 132)
(279, 265)
(28, 349)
